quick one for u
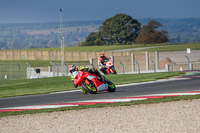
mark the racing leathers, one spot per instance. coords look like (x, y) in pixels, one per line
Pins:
(101, 62)
(77, 77)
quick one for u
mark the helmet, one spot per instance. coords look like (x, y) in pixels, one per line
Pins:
(102, 55)
(72, 68)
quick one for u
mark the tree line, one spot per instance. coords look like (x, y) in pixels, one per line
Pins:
(122, 29)
(16, 36)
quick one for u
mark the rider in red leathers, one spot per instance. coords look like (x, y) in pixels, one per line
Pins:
(79, 74)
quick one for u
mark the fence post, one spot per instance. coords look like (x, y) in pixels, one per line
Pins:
(28, 70)
(19, 71)
(147, 61)
(66, 69)
(53, 64)
(138, 67)
(122, 66)
(157, 59)
(91, 62)
(172, 65)
(166, 68)
(154, 64)
(189, 62)
(133, 62)
(57, 69)
(112, 59)
(10, 70)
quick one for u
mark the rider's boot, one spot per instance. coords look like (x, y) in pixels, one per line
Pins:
(83, 91)
(104, 71)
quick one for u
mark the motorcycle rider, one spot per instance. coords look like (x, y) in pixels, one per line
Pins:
(74, 71)
(101, 61)
(77, 74)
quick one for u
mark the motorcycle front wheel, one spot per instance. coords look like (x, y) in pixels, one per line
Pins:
(114, 71)
(89, 88)
(111, 86)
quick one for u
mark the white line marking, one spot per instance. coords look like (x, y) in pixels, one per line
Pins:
(65, 92)
(123, 99)
(149, 82)
(39, 107)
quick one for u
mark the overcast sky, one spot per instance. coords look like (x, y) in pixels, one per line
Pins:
(20, 11)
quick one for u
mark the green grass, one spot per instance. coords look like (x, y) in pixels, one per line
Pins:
(177, 47)
(131, 103)
(144, 77)
(34, 86)
(167, 47)
(38, 63)
(100, 48)
(10, 88)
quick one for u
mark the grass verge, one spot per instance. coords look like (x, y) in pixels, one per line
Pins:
(167, 47)
(177, 47)
(131, 103)
(39, 63)
(10, 88)
(102, 48)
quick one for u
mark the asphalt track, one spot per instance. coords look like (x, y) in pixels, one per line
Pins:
(159, 87)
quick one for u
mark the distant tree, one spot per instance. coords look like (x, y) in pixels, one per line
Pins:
(120, 29)
(149, 34)
(80, 44)
(93, 39)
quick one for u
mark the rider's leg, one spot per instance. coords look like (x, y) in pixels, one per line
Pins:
(94, 70)
(83, 91)
(103, 70)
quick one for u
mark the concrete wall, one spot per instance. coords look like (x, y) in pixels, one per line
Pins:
(55, 55)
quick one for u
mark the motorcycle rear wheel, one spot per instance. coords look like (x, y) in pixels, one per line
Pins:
(89, 88)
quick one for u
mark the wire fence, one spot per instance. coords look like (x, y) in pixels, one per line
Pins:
(57, 70)
(54, 70)
(13, 71)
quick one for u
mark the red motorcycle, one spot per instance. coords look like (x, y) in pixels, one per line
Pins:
(92, 83)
